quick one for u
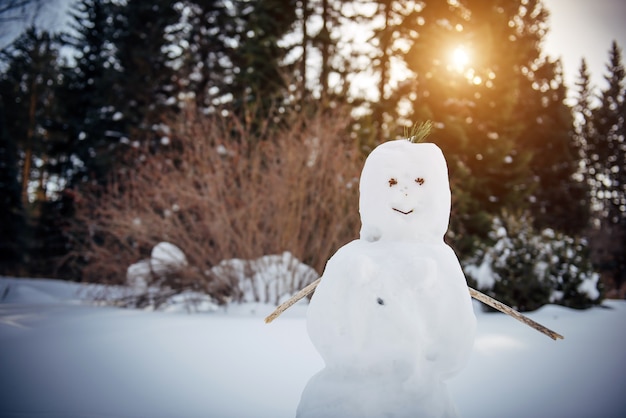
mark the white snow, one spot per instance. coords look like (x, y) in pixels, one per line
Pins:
(483, 273)
(62, 358)
(590, 286)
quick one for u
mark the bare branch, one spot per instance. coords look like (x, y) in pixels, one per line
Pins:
(14, 10)
(487, 300)
(474, 293)
(292, 301)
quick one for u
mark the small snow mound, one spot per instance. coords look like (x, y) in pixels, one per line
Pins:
(166, 258)
(138, 275)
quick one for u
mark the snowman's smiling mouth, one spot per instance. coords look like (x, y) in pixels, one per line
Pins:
(402, 212)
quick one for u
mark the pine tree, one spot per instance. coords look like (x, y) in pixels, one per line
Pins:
(583, 128)
(11, 213)
(258, 84)
(608, 140)
(340, 60)
(117, 90)
(140, 87)
(558, 199)
(92, 121)
(607, 155)
(230, 55)
(328, 43)
(29, 89)
(390, 39)
(198, 47)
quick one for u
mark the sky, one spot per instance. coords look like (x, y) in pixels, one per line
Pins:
(578, 29)
(585, 29)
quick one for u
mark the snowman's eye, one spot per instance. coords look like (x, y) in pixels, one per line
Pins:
(392, 182)
(419, 180)
(380, 301)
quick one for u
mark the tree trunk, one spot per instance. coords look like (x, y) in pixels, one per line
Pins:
(28, 148)
(305, 42)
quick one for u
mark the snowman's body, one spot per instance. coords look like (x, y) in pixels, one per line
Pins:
(392, 317)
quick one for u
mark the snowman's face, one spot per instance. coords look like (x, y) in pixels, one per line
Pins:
(404, 192)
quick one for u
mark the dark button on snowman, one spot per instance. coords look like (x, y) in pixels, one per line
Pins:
(392, 316)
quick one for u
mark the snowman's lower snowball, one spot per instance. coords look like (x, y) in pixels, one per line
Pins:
(392, 321)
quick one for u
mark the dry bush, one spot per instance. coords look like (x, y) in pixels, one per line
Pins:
(222, 193)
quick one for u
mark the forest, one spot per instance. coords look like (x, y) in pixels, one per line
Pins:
(238, 128)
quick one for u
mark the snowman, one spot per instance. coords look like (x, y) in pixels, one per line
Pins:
(392, 316)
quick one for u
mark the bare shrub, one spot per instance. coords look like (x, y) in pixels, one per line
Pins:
(222, 193)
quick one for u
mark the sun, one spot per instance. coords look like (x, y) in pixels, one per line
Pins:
(459, 61)
(460, 58)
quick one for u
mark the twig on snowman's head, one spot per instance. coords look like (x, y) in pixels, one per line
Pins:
(473, 293)
(419, 132)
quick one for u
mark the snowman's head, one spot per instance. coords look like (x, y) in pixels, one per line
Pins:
(404, 193)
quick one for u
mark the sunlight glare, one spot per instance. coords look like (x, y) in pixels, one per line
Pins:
(460, 58)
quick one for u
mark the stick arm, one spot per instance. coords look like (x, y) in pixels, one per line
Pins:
(487, 300)
(292, 301)
(496, 304)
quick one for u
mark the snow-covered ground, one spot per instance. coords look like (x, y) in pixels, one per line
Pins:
(62, 357)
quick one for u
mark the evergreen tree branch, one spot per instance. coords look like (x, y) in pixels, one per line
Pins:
(419, 132)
